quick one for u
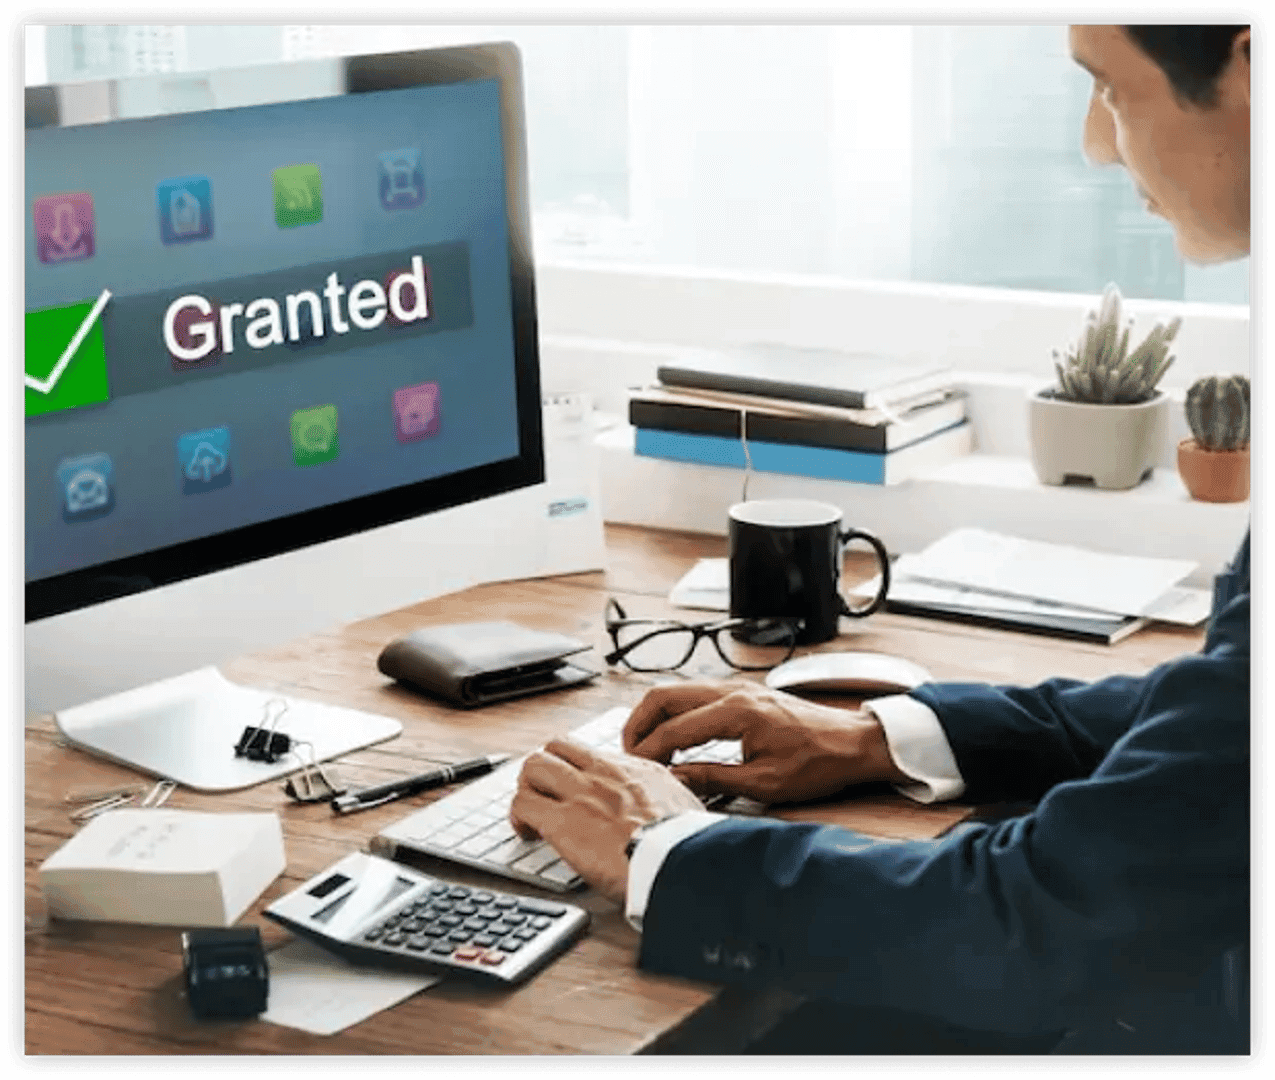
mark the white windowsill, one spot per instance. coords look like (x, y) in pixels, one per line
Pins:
(1157, 518)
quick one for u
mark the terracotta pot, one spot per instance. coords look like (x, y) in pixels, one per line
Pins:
(1115, 446)
(1219, 476)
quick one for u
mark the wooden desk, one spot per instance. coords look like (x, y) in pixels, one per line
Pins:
(111, 989)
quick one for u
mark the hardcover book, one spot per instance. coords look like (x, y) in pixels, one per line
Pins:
(821, 462)
(668, 410)
(824, 376)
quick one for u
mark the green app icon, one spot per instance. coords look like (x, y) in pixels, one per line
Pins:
(314, 438)
(298, 195)
(66, 357)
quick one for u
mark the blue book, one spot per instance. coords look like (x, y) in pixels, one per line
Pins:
(820, 462)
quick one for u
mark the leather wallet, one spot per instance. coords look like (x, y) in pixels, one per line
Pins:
(470, 664)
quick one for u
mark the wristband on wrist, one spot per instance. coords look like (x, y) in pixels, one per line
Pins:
(637, 834)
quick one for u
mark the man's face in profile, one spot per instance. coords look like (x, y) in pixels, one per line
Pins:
(1190, 162)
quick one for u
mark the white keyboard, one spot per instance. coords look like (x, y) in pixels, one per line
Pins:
(471, 826)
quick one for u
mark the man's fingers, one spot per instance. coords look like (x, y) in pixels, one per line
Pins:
(663, 703)
(549, 773)
(712, 778)
(721, 718)
(529, 812)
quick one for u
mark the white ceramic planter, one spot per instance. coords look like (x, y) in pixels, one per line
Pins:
(1115, 446)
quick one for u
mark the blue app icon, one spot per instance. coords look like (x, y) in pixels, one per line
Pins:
(203, 459)
(185, 209)
(402, 179)
(87, 484)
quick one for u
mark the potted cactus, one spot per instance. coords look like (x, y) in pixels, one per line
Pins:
(1104, 420)
(1213, 463)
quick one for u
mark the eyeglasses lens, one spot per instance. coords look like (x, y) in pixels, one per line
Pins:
(758, 645)
(655, 646)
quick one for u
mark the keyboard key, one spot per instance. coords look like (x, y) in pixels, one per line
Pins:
(561, 873)
(493, 957)
(485, 939)
(511, 851)
(441, 948)
(536, 861)
(467, 953)
(541, 921)
(511, 944)
(458, 891)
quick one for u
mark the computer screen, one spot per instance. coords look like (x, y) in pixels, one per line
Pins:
(256, 328)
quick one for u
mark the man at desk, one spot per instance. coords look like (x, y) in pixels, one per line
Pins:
(1114, 916)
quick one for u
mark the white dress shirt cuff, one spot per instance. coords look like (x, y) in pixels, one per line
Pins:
(919, 747)
(650, 853)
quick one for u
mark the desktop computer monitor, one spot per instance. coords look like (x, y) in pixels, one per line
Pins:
(255, 328)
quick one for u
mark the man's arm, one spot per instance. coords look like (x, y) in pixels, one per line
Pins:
(1120, 887)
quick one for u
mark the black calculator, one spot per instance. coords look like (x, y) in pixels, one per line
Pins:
(370, 910)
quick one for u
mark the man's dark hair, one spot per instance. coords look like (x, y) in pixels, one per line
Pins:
(1192, 57)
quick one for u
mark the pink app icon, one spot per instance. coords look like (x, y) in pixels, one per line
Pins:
(416, 412)
(64, 227)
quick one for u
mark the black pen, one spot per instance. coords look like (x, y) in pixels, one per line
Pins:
(411, 785)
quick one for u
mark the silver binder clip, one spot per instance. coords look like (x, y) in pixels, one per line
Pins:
(313, 783)
(158, 795)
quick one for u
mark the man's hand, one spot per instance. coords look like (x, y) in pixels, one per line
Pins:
(793, 749)
(586, 805)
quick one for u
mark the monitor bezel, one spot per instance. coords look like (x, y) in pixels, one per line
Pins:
(62, 593)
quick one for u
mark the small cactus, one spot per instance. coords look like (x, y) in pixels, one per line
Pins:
(1100, 370)
(1217, 410)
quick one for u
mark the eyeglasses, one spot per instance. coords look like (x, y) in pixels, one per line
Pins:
(666, 644)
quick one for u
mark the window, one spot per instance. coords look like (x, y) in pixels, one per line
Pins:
(941, 154)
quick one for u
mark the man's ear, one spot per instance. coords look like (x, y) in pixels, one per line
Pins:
(1241, 60)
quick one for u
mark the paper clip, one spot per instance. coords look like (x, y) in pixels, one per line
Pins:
(313, 783)
(90, 795)
(100, 807)
(158, 795)
(266, 742)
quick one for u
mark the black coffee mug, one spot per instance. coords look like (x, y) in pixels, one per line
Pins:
(785, 561)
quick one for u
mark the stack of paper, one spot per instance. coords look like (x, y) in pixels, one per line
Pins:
(1050, 588)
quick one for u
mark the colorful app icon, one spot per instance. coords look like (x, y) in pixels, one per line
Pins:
(402, 180)
(314, 438)
(203, 457)
(416, 412)
(185, 209)
(87, 484)
(65, 362)
(298, 195)
(64, 227)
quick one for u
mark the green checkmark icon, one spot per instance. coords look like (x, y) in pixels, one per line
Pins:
(66, 357)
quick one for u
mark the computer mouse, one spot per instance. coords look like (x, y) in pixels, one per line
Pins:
(848, 672)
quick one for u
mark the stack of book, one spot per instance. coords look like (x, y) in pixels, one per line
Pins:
(803, 412)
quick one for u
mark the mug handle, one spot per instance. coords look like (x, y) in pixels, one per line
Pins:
(882, 558)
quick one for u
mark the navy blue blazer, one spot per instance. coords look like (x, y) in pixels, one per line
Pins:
(1115, 911)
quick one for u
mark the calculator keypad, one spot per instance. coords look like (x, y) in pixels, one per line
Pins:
(466, 926)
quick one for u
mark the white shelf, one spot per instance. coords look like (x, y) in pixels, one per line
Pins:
(1157, 518)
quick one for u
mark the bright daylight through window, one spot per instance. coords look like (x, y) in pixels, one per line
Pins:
(938, 154)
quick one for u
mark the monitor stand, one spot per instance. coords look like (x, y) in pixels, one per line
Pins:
(187, 729)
